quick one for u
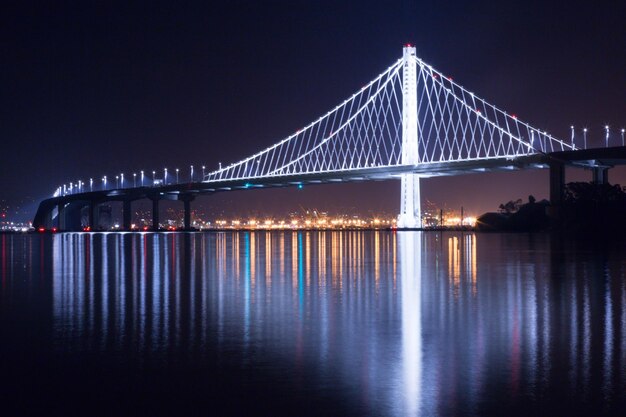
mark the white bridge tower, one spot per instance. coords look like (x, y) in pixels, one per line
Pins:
(410, 202)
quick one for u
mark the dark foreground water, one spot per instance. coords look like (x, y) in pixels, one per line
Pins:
(311, 323)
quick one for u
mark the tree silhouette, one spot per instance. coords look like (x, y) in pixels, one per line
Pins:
(511, 206)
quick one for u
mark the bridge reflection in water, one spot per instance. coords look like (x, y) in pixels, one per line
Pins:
(395, 323)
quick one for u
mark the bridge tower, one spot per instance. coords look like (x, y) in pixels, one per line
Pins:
(410, 202)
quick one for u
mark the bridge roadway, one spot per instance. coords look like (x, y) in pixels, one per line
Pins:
(71, 209)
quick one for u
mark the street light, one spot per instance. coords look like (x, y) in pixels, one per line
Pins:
(134, 180)
(165, 177)
(191, 176)
(153, 177)
(122, 176)
(607, 136)
(623, 130)
(104, 180)
(203, 167)
(176, 175)
(117, 181)
(142, 178)
(585, 137)
(572, 127)
(90, 184)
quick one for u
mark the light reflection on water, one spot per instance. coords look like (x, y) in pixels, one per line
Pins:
(405, 323)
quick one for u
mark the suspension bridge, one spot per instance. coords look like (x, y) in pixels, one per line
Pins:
(410, 122)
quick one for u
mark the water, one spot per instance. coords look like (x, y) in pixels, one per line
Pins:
(311, 323)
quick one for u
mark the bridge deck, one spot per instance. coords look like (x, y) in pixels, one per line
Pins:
(587, 158)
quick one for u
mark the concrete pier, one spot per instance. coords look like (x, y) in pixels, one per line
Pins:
(155, 212)
(127, 215)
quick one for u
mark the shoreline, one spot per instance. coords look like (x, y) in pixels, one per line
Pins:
(258, 229)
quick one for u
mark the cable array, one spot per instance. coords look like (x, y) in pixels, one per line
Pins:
(365, 131)
(456, 125)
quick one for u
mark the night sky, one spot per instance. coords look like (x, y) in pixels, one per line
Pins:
(95, 88)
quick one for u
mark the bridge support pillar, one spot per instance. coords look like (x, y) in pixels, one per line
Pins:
(94, 218)
(557, 185)
(47, 221)
(187, 219)
(155, 213)
(410, 202)
(127, 214)
(44, 216)
(61, 216)
(187, 199)
(600, 175)
(187, 216)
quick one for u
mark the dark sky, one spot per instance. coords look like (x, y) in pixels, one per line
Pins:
(94, 88)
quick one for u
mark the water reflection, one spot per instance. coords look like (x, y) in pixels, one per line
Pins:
(411, 267)
(399, 324)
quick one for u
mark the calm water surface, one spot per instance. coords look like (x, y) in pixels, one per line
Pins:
(311, 323)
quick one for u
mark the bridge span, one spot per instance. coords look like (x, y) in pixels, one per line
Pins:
(76, 212)
(411, 122)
